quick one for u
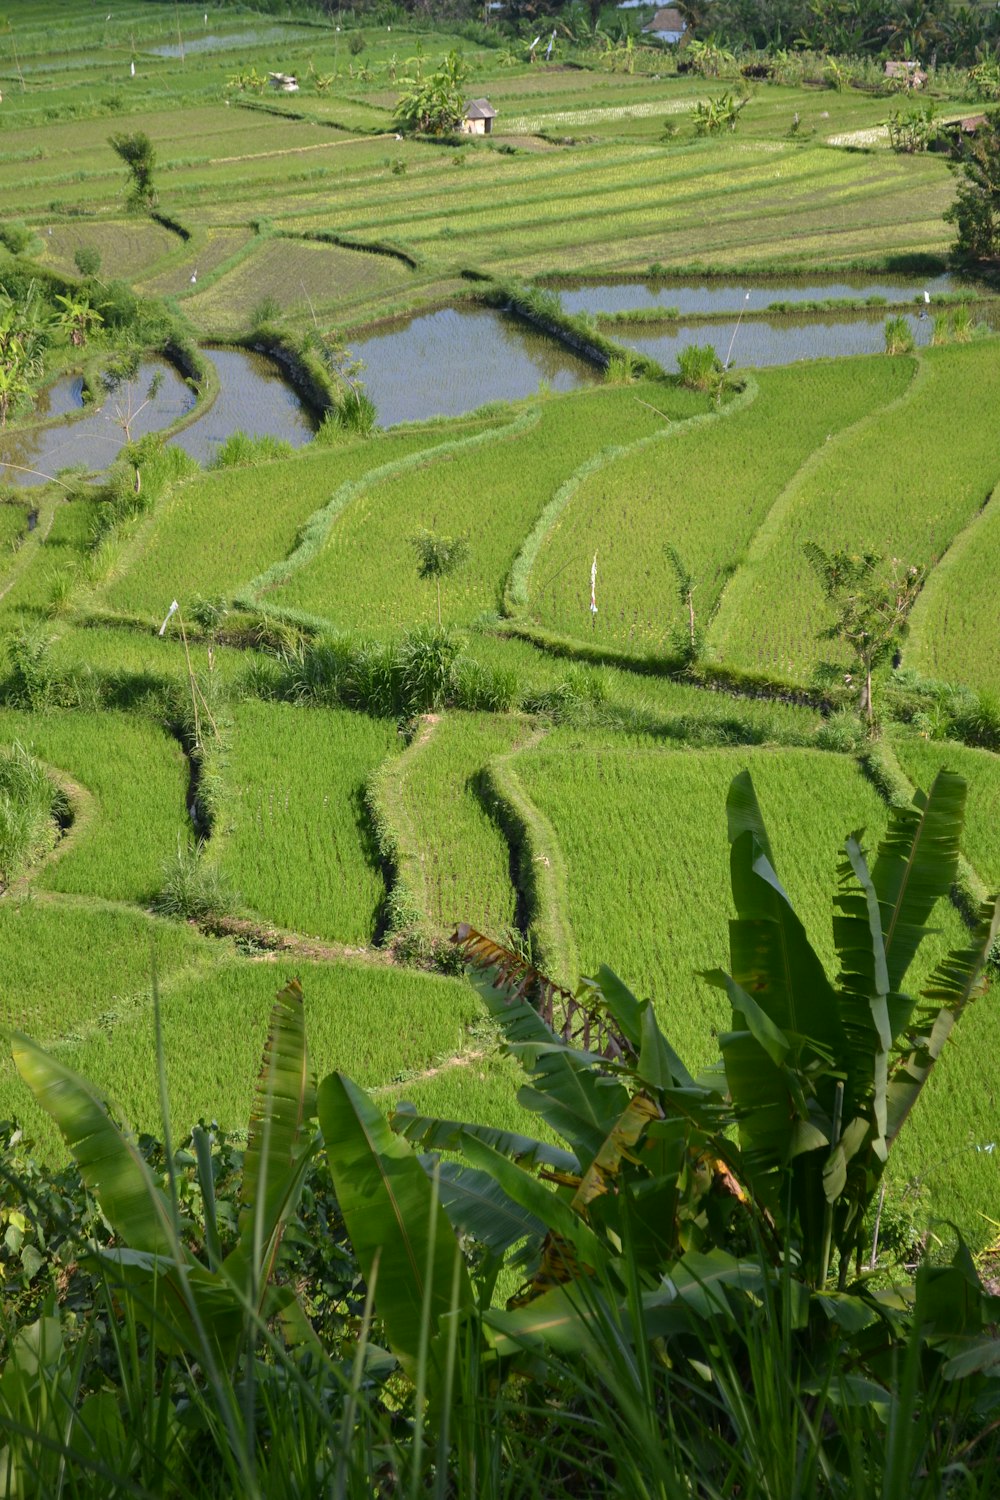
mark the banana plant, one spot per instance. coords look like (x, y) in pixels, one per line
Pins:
(783, 1145)
(206, 1302)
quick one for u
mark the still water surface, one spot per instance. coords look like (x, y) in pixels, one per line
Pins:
(721, 296)
(92, 440)
(254, 398)
(448, 362)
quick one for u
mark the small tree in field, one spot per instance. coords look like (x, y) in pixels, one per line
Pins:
(976, 210)
(438, 557)
(872, 611)
(689, 640)
(139, 156)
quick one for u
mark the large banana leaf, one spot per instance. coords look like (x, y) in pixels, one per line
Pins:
(477, 1206)
(448, 1135)
(554, 1211)
(279, 1145)
(770, 956)
(917, 862)
(402, 1237)
(569, 1092)
(952, 985)
(864, 992)
(110, 1162)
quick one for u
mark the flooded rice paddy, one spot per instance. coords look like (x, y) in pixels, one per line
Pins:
(90, 438)
(254, 397)
(448, 362)
(728, 296)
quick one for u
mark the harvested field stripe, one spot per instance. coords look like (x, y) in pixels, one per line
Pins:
(529, 124)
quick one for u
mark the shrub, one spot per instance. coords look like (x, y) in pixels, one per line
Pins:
(28, 801)
(842, 731)
(240, 450)
(427, 658)
(898, 335)
(87, 259)
(356, 44)
(15, 237)
(193, 889)
(699, 367)
(268, 309)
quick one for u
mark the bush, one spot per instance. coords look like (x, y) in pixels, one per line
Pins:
(28, 802)
(842, 731)
(898, 335)
(16, 237)
(87, 259)
(699, 367)
(427, 658)
(356, 44)
(240, 450)
(356, 415)
(268, 309)
(193, 889)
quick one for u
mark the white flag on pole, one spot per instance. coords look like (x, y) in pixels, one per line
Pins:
(593, 586)
(170, 614)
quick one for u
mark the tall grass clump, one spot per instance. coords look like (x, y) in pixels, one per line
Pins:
(354, 415)
(898, 335)
(240, 450)
(194, 889)
(29, 806)
(699, 367)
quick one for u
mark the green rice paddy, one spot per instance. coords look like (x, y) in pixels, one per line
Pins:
(577, 803)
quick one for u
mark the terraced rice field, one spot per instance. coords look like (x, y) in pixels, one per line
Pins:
(365, 575)
(292, 781)
(588, 821)
(704, 490)
(915, 497)
(953, 628)
(129, 781)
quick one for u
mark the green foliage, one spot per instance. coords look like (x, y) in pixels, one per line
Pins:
(714, 115)
(872, 612)
(434, 105)
(911, 130)
(16, 237)
(699, 367)
(137, 152)
(439, 557)
(193, 889)
(29, 805)
(240, 451)
(976, 210)
(87, 259)
(898, 335)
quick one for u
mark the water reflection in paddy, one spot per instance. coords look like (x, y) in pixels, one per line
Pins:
(720, 296)
(254, 398)
(448, 362)
(758, 342)
(93, 440)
